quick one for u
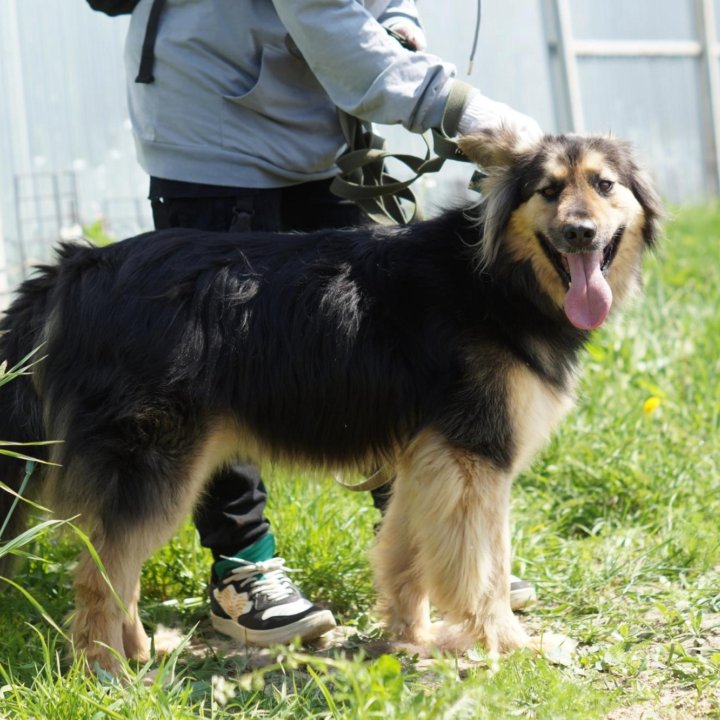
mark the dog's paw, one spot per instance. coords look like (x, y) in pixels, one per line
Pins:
(411, 633)
(449, 637)
(102, 662)
(500, 633)
(166, 640)
(136, 644)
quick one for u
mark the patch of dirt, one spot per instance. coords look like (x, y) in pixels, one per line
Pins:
(680, 703)
(347, 640)
(670, 705)
(204, 643)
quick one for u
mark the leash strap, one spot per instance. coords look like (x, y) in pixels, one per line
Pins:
(364, 179)
(382, 476)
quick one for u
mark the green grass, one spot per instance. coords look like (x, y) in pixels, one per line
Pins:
(617, 524)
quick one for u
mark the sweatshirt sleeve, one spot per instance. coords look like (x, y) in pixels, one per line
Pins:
(398, 10)
(364, 71)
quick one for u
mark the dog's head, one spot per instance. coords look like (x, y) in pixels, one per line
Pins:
(577, 208)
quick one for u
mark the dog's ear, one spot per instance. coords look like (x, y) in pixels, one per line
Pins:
(501, 156)
(641, 186)
(498, 148)
(644, 192)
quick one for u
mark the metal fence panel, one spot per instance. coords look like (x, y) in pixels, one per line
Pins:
(665, 125)
(634, 19)
(61, 73)
(648, 71)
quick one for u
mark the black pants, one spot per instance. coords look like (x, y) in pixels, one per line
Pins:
(232, 513)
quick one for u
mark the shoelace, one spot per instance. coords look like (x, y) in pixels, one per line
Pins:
(270, 578)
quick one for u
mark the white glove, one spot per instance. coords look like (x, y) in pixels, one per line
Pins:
(482, 113)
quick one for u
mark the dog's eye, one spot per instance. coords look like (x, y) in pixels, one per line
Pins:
(550, 192)
(605, 186)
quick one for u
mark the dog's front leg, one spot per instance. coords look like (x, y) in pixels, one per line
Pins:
(456, 510)
(402, 598)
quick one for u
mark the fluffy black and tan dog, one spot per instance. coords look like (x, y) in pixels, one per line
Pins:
(447, 349)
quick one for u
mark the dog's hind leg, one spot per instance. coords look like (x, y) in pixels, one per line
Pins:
(147, 502)
(456, 506)
(106, 603)
(135, 640)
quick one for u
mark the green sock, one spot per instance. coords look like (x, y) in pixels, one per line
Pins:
(260, 550)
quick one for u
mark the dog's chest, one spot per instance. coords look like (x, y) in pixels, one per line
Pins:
(535, 410)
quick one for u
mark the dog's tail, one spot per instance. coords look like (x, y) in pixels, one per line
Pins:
(21, 423)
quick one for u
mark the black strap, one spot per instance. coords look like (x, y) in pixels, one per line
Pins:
(147, 58)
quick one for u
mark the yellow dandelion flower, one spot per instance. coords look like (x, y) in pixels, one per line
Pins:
(651, 404)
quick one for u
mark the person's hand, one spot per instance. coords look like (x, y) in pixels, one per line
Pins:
(413, 35)
(482, 113)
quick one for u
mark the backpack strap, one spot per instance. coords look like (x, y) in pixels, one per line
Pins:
(364, 179)
(147, 57)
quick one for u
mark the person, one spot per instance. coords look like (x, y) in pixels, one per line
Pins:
(234, 113)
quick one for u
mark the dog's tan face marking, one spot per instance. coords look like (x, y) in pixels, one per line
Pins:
(578, 209)
(580, 221)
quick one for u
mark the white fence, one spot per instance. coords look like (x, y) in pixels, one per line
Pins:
(649, 71)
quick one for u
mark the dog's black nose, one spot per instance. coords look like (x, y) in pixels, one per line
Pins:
(579, 233)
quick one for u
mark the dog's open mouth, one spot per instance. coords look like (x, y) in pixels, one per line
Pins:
(589, 297)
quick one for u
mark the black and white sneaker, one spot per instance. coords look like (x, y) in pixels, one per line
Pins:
(256, 603)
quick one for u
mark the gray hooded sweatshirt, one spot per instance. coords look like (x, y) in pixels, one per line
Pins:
(245, 92)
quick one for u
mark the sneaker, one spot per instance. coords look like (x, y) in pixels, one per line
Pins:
(257, 604)
(522, 593)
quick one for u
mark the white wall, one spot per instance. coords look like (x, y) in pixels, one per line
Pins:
(63, 108)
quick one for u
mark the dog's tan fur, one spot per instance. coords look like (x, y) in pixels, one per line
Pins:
(107, 617)
(460, 562)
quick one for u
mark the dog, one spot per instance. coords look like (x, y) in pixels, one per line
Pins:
(447, 350)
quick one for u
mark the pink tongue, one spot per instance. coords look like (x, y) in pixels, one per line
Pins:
(588, 301)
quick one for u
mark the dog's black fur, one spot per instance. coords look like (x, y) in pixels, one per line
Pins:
(153, 336)
(336, 348)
